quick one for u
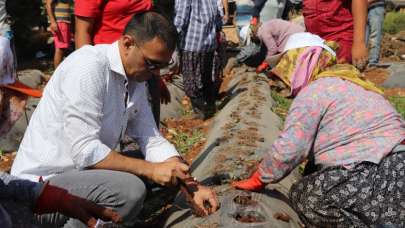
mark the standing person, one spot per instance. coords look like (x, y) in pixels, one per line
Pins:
(103, 22)
(198, 23)
(355, 154)
(60, 13)
(257, 8)
(19, 198)
(375, 21)
(96, 95)
(343, 21)
(264, 10)
(5, 28)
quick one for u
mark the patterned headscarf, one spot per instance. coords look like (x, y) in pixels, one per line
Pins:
(300, 66)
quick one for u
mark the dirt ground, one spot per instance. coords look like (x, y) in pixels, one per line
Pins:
(393, 47)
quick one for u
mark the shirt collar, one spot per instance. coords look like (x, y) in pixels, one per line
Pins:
(114, 59)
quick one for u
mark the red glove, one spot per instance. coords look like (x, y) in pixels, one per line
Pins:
(164, 92)
(254, 21)
(262, 67)
(54, 199)
(252, 184)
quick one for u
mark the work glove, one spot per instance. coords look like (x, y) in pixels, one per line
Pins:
(252, 184)
(262, 67)
(54, 199)
(254, 21)
(164, 92)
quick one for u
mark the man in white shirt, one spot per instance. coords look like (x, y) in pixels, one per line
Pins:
(96, 95)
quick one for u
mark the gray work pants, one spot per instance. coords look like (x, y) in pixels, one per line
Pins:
(123, 192)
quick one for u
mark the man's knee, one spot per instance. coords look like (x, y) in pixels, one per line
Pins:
(133, 193)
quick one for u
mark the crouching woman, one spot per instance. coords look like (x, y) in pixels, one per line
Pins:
(352, 138)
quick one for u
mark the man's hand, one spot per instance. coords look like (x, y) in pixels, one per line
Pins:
(359, 55)
(166, 173)
(225, 18)
(53, 27)
(206, 196)
(54, 199)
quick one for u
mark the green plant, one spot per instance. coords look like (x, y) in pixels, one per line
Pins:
(282, 104)
(394, 22)
(184, 142)
(399, 104)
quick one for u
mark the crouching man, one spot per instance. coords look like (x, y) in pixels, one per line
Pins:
(96, 95)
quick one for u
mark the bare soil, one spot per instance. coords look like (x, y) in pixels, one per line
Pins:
(6, 161)
(392, 47)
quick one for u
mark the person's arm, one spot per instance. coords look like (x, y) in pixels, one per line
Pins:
(142, 128)
(264, 33)
(295, 141)
(359, 49)
(226, 10)
(49, 10)
(86, 12)
(45, 198)
(163, 173)
(84, 30)
(293, 144)
(182, 11)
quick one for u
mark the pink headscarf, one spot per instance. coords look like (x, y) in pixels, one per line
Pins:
(305, 65)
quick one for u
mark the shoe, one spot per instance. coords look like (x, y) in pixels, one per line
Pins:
(210, 111)
(198, 105)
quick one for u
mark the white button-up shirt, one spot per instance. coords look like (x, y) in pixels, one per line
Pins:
(83, 113)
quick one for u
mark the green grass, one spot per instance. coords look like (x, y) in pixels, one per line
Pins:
(399, 104)
(394, 22)
(184, 142)
(282, 104)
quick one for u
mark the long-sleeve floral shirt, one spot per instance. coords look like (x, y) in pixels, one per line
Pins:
(345, 123)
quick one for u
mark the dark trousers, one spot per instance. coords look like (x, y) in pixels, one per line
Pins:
(198, 78)
(258, 6)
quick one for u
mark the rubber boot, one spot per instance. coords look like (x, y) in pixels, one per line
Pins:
(198, 108)
(210, 110)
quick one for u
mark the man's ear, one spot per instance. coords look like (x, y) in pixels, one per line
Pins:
(127, 41)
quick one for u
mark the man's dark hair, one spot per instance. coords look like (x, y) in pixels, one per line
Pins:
(146, 26)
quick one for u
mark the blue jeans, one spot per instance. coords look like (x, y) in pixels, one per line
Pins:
(374, 32)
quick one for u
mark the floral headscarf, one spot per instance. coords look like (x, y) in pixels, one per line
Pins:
(300, 66)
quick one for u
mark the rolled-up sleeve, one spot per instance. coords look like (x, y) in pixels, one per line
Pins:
(142, 128)
(84, 89)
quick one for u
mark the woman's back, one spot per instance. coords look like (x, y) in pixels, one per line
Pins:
(355, 124)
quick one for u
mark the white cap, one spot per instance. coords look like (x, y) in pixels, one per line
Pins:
(306, 39)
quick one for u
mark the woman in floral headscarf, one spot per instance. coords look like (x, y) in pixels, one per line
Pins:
(351, 137)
